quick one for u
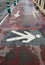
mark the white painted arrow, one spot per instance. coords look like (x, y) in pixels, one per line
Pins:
(28, 36)
(17, 14)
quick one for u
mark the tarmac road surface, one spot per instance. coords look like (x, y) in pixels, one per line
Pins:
(23, 24)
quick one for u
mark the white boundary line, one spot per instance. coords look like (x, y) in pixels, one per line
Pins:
(4, 19)
(34, 14)
(12, 7)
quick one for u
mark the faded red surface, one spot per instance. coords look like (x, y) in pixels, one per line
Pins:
(2, 60)
(22, 56)
(20, 53)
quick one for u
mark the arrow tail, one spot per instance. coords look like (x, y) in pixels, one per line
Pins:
(10, 39)
(15, 38)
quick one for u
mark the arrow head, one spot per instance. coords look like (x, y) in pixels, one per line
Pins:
(17, 14)
(29, 37)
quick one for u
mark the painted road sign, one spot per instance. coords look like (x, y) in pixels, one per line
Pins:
(22, 36)
(17, 14)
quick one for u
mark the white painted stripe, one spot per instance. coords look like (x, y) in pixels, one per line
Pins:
(15, 38)
(4, 19)
(34, 14)
(12, 7)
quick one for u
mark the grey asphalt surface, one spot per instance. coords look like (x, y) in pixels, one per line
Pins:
(1, 1)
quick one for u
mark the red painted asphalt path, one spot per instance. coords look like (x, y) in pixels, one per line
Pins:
(23, 21)
(30, 19)
(27, 20)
